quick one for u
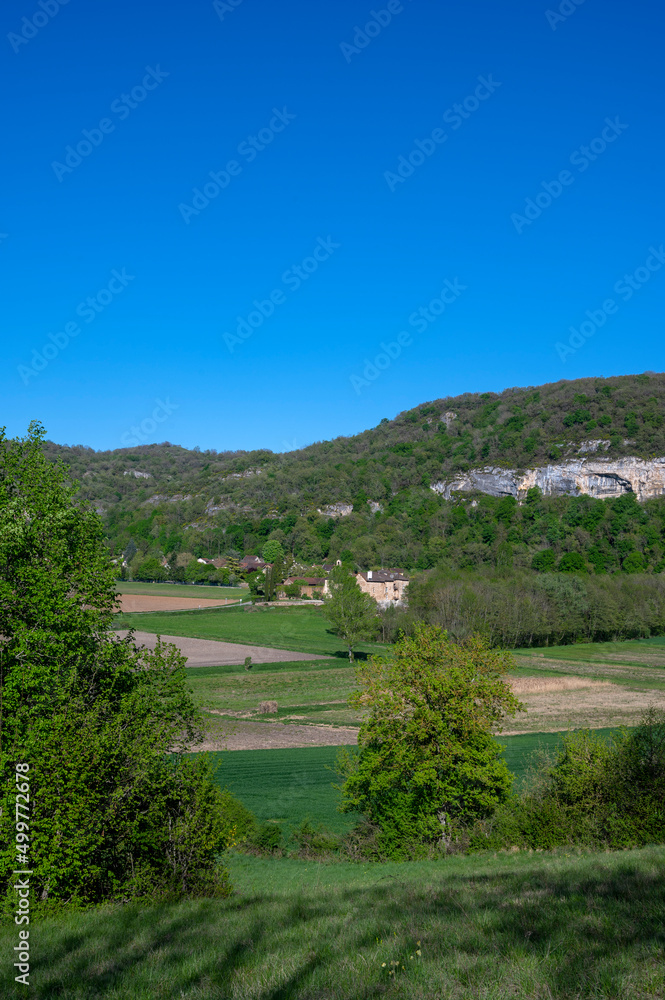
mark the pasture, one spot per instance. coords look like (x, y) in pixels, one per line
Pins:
(559, 926)
(300, 629)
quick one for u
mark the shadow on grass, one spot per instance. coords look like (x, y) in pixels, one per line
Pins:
(579, 928)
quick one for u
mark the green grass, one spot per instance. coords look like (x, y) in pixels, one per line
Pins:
(286, 786)
(519, 926)
(180, 590)
(300, 629)
(315, 690)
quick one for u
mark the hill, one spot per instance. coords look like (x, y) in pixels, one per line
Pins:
(166, 499)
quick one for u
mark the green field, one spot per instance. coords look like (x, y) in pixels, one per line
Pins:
(542, 927)
(180, 590)
(309, 692)
(300, 629)
(291, 785)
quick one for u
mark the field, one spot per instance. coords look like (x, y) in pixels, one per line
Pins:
(301, 629)
(287, 786)
(192, 591)
(529, 927)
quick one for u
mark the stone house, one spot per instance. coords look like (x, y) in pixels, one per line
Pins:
(385, 586)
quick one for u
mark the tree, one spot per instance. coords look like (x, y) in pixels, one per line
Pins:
(353, 614)
(544, 561)
(273, 551)
(100, 726)
(427, 756)
(274, 576)
(572, 562)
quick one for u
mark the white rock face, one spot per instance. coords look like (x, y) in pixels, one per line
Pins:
(594, 477)
(337, 510)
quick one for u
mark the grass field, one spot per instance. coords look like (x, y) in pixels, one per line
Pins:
(300, 629)
(289, 786)
(311, 692)
(180, 590)
(539, 927)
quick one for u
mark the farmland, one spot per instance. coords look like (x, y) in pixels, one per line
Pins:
(193, 591)
(287, 786)
(301, 629)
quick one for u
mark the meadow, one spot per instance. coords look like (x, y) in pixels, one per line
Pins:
(300, 629)
(288, 786)
(559, 926)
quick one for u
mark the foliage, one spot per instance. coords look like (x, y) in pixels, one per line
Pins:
(597, 792)
(427, 756)
(237, 502)
(352, 614)
(523, 609)
(92, 717)
(273, 551)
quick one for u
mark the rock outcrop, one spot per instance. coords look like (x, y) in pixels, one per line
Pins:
(596, 477)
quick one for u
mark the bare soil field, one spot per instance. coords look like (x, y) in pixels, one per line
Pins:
(147, 602)
(227, 734)
(210, 653)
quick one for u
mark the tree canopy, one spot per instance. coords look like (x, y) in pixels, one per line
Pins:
(427, 755)
(92, 716)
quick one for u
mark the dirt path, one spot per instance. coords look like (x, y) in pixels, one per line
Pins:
(210, 653)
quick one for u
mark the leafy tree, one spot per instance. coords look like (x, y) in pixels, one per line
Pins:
(544, 561)
(572, 562)
(93, 718)
(273, 551)
(634, 563)
(427, 756)
(352, 614)
(150, 569)
(256, 581)
(274, 577)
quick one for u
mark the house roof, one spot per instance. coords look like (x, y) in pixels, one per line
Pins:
(309, 581)
(383, 576)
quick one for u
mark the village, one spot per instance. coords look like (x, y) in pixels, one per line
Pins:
(385, 586)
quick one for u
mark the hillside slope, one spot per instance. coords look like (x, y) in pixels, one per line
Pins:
(165, 497)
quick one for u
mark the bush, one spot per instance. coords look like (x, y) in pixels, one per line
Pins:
(267, 837)
(313, 842)
(597, 793)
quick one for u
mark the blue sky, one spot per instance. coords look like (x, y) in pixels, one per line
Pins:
(366, 245)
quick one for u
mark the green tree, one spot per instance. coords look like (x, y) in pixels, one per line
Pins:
(274, 577)
(427, 756)
(634, 563)
(544, 561)
(117, 810)
(273, 551)
(352, 614)
(572, 562)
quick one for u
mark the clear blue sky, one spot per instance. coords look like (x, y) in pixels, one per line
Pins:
(181, 88)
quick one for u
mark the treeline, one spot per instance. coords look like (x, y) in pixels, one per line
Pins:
(518, 609)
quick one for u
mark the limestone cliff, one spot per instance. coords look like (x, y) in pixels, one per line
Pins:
(596, 477)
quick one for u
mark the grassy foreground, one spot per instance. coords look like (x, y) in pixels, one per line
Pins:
(489, 927)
